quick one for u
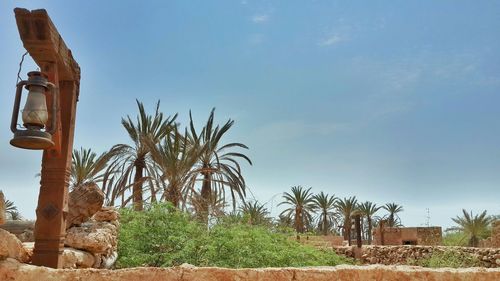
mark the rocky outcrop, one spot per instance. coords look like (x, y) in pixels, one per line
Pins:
(108, 214)
(83, 202)
(98, 237)
(13, 270)
(400, 255)
(94, 237)
(11, 247)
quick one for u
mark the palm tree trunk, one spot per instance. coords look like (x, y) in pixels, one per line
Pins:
(173, 195)
(369, 230)
(299, 224)
(206, 192)
(137, 188)
(325, 224)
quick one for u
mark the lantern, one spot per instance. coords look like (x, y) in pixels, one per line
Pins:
(34, 115)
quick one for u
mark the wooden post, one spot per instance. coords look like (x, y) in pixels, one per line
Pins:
(45, 45)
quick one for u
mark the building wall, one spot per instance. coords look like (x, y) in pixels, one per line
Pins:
(408, 235)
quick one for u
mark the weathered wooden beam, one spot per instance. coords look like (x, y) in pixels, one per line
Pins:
(44, 43)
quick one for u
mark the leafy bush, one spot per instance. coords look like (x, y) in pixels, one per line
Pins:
(256, 246)
(163, 236)
(455, 239)
(449, 258)
(159, 236)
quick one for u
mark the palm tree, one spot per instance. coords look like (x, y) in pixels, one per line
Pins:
(346, 208)
(301, 206)
(368, 210)
(87, 167)
(135, 159)
(473, 226)
(255, 212)
(10, 208)
(325, 204)
(176, 159)
(393, 219)
(217, 167)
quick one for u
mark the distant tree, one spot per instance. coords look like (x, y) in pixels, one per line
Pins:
(474, 226)
(136, 165)
(325, 205)
(392, 218)
(11, 209)
(368, 209)
(87, 167)
(301, 207)
(218, 164)
(256, 213)
(346, 208)
(176, 158)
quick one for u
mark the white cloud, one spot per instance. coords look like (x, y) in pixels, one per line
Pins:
(260, 18)
(332, 40)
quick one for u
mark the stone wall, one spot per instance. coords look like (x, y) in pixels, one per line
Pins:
(13, 270)
(394, 255)
(430, 236)
(90, 244)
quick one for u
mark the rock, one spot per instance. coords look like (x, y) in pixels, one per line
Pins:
(106, 214)
(11, 247)
(73, 258)
(84, 201)
(94, 237)
(109, 261)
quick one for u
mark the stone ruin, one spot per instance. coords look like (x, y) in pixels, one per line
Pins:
(426, 236)
(91, 235)
(494, 240)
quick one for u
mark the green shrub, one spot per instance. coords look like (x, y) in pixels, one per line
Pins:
(256, 246)
(159, 236)
(455, 239)
(163, 236)
(449, 258)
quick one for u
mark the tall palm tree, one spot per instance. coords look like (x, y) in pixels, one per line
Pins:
(218, 168)
(392, 218)
(325, 205)
(87, 167)
(301, 207)
(474, 226)
(176, 158)
(255, 212)
(346, 208)
(135, 159)
(368, 209)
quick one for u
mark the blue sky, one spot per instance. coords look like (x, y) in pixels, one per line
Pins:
(388, 101)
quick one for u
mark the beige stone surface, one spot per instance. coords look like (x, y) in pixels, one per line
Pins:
(73, 258)
(107, 214)
(394, 255)
(83, 202)
(12, 270)
(93, 237)
(11, 247)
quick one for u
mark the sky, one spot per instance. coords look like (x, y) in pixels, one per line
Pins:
(388, 101)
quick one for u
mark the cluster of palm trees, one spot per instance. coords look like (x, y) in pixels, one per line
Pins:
(194, 170)
(328, 214)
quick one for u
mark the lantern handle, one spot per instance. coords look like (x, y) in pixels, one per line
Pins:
(17, 104)
(55, 106)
